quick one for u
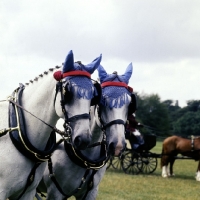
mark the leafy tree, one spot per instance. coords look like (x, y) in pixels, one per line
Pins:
(153, 113)
(168, 117)
(193, 105)
(173, 111)
(188, 124)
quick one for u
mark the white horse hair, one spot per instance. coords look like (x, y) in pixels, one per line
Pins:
(38, 98)
(70, 176)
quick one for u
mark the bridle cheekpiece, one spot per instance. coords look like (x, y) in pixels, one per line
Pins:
(58, 75)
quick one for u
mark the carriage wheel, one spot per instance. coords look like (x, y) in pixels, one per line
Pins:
(116, 163)
(132, 163)
(149, 164)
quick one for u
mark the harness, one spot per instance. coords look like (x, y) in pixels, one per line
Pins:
(79, 159)
(83, 179)
(20, 140)
(18, 134)
(91, 166)
(192, 142)
(19, 137)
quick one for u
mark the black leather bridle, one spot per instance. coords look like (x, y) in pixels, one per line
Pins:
(67, 120)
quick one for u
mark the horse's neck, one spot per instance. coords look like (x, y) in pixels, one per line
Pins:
(38, 98)
(95, 125)
(96, 136)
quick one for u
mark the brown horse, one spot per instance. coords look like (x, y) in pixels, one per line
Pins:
(174, 145)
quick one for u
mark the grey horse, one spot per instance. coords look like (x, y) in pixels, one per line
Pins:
(27, 139)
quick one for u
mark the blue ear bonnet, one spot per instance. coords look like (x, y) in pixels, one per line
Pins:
(115, 77)
(114, 96)
(70, 65)
(84, 85)
(79, 66)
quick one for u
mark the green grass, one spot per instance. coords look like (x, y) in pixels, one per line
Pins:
(119, 186)
(138, 187)
(116, 185)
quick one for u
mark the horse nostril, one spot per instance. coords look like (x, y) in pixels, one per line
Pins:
(77, 141)
(81, 142)
(111, 146)
(125, 147)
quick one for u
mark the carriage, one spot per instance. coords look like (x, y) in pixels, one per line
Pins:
(143, 160)
(139, 160)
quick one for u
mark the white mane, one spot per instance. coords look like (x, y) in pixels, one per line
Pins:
(41, 75)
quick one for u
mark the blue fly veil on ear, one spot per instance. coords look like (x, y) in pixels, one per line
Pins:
(83, 84)
(115, 97)
(84, 87)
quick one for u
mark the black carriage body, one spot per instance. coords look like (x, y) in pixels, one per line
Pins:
(149, 142)
(139, 160)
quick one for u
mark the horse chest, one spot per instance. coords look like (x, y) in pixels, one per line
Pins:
(15, 169)
(4, 115)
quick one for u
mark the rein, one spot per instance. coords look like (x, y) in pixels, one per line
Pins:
(18, 133)
(10, 99)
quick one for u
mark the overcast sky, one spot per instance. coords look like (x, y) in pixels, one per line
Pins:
(160, 38)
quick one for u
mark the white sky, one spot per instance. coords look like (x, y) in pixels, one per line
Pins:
(160, 38)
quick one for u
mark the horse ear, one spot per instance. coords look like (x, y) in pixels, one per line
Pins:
(102, 73)
(69, 62)
(93, 65)
(128, 73)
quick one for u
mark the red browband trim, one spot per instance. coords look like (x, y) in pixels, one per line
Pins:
(119, 84)
(76, 73)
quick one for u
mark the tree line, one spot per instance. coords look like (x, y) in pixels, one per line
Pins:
(165, 118)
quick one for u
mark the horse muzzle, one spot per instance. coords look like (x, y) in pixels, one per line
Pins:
(116, 149)
(82, 141)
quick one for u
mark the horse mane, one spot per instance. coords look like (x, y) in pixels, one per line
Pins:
(41, 75)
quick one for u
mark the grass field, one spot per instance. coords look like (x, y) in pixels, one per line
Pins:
(116, 185)
(119, 186)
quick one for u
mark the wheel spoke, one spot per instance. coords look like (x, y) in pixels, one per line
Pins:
(131, 164)
(149, 164)
(116, 163)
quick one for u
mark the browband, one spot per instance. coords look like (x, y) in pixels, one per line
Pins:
(59, 75)
(118, 84)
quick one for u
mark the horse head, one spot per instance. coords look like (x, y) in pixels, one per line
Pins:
(114, 107)
(77, 94)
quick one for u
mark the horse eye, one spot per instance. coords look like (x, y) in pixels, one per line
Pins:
(68, 95)
(64, 88)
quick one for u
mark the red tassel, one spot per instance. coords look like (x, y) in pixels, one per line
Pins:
(130, 89)
(57, 75)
